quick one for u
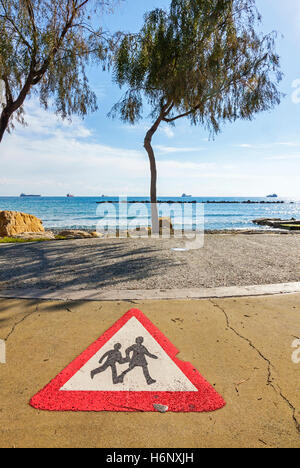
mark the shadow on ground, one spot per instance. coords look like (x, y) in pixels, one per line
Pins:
(60, 265)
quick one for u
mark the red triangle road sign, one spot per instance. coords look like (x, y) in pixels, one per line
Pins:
(131, 367)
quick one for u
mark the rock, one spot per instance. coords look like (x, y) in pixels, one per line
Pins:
(96, 235)
(13, 223)
(266, 221)
(76, 234)
(47, 235)
(275, 222)
(161, 408)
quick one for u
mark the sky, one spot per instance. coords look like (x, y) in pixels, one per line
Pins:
(99, 155)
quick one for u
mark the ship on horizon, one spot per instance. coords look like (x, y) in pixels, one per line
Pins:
(29, 196)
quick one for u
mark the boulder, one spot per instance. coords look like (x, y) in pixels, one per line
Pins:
(96, 234)
(47, 235)
(275, 222)
(265, 221)
(77, 234)
(13, 223)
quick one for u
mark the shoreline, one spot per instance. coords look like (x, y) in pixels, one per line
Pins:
(259, 230)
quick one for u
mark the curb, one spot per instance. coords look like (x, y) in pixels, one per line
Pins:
(156, 294)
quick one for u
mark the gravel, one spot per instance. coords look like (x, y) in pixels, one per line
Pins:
(225, 260)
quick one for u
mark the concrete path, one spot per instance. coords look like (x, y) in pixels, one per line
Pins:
(242, 346)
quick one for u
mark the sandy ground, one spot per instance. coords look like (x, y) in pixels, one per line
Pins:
(241, 346)
(225, 260)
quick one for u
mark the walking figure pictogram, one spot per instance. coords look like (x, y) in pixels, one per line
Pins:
(114, 356)
(138, 359)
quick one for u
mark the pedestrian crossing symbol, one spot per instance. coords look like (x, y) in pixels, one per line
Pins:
(131, 367)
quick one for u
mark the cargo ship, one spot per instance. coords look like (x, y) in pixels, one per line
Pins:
(23, 195)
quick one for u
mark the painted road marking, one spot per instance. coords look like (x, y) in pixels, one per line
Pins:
(132, 367)
(168, 377)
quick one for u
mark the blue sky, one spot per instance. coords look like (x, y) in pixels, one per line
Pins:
(103, 156)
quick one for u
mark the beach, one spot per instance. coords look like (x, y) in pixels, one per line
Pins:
(232, 259)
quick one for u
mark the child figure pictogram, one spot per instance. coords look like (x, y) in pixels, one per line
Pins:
(114, 356)
(137, 359)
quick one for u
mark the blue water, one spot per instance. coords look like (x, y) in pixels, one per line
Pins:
(84, 212)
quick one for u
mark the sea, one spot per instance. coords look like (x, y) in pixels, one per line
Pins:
(86, 213)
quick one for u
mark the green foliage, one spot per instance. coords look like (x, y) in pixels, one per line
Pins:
(291, 227)
(18, 240)
(203, 60)
(45, 46)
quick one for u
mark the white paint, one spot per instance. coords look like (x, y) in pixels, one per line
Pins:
(167, 375)
(2, 352)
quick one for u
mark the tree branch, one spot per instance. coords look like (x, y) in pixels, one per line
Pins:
(223, 87)
(32, 19)
(11, 21)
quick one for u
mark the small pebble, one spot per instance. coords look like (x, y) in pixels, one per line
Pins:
(161, 408)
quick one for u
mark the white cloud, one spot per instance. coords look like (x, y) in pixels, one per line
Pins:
(53, 158)
(143, 127)
(244, 145)
(289, 143)
(272, 145)
(167, 131)
(41, 122)
(161, 149)
(283, 157)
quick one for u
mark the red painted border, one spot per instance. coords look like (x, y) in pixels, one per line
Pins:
(52, 399)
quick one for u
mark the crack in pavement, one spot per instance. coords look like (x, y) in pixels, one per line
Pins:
(20, 321)
(68, 309)
(270, 378)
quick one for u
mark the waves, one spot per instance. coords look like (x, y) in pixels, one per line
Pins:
(83, 213)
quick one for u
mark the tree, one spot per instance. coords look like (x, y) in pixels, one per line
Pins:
(203, 60)
(45, 46)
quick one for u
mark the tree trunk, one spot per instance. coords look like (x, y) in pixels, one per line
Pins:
(153, 188)
(4, 120)
(13, 106)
